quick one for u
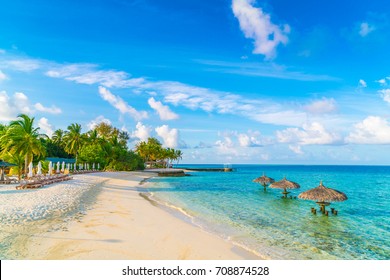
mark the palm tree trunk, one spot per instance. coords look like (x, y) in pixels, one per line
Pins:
(25, 165)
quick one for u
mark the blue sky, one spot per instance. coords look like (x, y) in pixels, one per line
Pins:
(226, 81)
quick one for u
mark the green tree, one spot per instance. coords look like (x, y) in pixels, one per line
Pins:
(22, 138)
(73, 139)
(58, 137)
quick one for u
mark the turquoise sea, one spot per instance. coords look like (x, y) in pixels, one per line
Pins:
(231, 205)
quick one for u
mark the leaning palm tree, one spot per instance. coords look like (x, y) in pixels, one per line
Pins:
(73, 139)
(22, 138)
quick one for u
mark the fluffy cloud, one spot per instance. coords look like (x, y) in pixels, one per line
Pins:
(2, 76)
(141, 132)
(52, 110)
(385, 94)
(365, 29)
(163, 111)
(310, 134)
(362, 83)
(170, 136)
(45, 126)
(257, 25)
(296, 149)
(121, 105)
(11, 106)
(372, 130)
(92, 124)
(323, 106)
(250, 139)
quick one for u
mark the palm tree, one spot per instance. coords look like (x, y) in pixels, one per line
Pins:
(73, 139)
(178, 155)
(21, 138)
(58, 137)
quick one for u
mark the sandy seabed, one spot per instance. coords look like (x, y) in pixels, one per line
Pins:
(101, 216)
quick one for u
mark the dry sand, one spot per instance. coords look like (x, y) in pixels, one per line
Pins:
(123, 225)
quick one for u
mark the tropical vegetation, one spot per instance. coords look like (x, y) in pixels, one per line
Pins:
(22, 143)
(154, 155)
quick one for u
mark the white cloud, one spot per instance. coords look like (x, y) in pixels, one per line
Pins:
(12, 106)
(382, 82)
(52, 110)
(365, 29)
(310, 134)
(226, 146)
(176, 93)
(296, 149)
(46, 127)
(250, 139)
(170, 136)
(323, 106)
(257, 25)
(141, 132)
(64, 71)
(372, 130)
(3, 76)
(263, 69)
(23, 65)
(163, 111)
(362, 83)
(385, 94)
(121, 105)
(92, 124)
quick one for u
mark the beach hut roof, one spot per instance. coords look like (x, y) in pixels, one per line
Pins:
(322, 193)
(6, 164)
(285, 184)
(264, 180)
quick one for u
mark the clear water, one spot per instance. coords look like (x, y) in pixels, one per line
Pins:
(231, 205)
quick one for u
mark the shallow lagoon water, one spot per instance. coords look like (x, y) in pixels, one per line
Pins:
(232, 206)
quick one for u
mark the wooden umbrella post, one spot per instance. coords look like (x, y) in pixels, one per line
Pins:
(285, 193)
(322, 205)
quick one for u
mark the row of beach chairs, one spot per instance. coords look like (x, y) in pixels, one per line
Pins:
(9, 180)
(40, 181)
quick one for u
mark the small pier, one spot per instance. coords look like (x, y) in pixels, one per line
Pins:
(225, 169)
(167, 172)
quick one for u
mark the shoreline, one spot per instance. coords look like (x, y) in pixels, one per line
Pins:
(124, 224)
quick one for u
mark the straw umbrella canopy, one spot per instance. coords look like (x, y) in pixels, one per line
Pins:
(285, 184)
(323, 195)
(4, 165)
(264, 181)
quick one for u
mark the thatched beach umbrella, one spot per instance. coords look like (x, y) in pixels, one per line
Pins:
(323, 196)
(264, 181)
(285, 184)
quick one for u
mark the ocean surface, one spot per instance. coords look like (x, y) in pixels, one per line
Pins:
(231, 205)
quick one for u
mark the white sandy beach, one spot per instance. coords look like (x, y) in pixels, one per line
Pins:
(120, 224)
